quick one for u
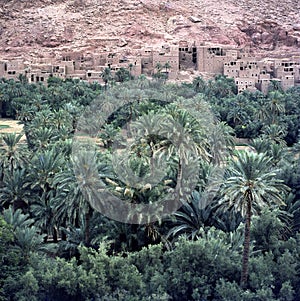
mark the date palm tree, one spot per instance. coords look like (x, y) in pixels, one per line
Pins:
(12, 155)
(106, 76)
(72, 203)
(15, 190)
(42, 170)
(191, 218)
(275, 106)
(250, 185)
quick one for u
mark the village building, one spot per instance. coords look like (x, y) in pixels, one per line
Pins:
(249, 73)
(287, 71)
(168, 59)
(11, 69)
(38, 73)
(147, 60)
(212, 59)
(187, 56)
(263, 82)
(245, 71)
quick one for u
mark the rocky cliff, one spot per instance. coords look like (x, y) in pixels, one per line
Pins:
(43, 28)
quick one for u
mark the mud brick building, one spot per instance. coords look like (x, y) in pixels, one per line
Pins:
(250, 73)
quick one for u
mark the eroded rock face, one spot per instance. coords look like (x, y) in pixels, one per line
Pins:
(268, 34)
(49, 27)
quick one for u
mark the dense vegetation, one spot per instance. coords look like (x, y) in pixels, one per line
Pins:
(236, 237)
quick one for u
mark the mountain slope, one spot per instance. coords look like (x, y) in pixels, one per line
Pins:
(49, 27)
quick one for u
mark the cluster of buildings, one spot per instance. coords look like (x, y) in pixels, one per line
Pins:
(250, 73)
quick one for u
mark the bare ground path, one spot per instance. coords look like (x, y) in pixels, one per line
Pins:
(11, 126)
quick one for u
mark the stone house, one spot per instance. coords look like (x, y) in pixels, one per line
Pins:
(167, 56)
(245, 83)
(288, 71)
(36, 73)
(11, 69)
(147, 60)
(249, 73)
(187, 56)
(212, 59)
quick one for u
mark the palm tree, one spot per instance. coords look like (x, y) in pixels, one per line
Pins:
(11, 157)
(122, 75)
(260, 145)
(16, 218)
(199, 85)
(158, 66)
(26, 236)
(181, 138)
(142, 82)
(237, 115)
(74, 199)
(70, 204)
(191, 218)
(222, 86)
(106, 76)
(221, 142)
(250, 185)
(44, 215)
(276, 133)
(275, 106)
(109, 135)
(43, 137)
(158, 74)
(43, 167)
(15, 190)
(167, 66)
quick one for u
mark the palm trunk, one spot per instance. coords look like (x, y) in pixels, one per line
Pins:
(246, 251)
(178, 188)
(55, 234)
(87, 229)
(128, 127)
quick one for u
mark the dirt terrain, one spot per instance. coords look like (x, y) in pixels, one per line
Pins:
(13, 126)
(47, 28)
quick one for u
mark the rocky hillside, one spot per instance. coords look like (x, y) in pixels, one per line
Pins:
(40, 28)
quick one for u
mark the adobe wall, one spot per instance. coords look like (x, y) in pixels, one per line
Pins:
(247, 71)
(187, 56)
(212, 59)
(245, 83)
(168, 58)
(147, 60)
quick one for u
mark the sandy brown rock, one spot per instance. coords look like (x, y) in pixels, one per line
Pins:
(50, 27)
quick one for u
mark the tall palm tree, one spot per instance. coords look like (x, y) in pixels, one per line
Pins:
(274, 106)
(10, 152)
(72, 203)
(167, 66)
(250, 185)
(106, 76)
